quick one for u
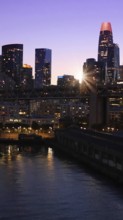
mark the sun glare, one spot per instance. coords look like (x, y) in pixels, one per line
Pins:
(80, 77)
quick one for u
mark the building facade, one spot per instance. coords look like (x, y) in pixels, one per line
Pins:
(108, 53)
(12, 61)
(93, 71)
(67, 81)
(121, 73)
(26, 81)
(42, 68)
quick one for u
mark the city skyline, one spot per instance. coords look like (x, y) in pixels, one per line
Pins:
(69, 29)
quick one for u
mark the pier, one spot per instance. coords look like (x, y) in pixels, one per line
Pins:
(101, 151)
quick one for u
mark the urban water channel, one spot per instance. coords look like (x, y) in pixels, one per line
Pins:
(45, 185)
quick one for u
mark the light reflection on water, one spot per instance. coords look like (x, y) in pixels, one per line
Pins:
(47, 186)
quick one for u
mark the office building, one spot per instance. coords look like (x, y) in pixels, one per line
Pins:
(93, 71)
(0, 63)
(121, 73)
(108, 53)
(105, 41)
(12, 61)
(67, 81)
(42, 68)
(26, 81)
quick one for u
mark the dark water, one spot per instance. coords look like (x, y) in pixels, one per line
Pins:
(45, 186)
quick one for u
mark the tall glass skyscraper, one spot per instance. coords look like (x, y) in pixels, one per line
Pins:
(108, 53)
(42, 67)
(12, 61)
(105, 41)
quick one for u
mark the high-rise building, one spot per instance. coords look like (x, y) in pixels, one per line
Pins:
(108, 53)
(0, 63)
(12, 61)
(67, 81)
(116, 62)
(105, 41)
(26, 80)
(42, 67)
(121, 73)
(93, 70)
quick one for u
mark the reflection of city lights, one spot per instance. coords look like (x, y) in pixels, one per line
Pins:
(9, 149)
(50, 158)
(50, 154)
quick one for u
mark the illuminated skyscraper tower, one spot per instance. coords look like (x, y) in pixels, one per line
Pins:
(42, 67)
(108, 53)
(105, 41)
(12, 61)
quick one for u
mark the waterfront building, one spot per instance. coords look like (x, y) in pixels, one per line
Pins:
(62, 107)
(108, 53)
(115, 113)
(12, 61)
(42, 67)
(13, 110)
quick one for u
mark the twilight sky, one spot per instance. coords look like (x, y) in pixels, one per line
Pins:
(69, 27)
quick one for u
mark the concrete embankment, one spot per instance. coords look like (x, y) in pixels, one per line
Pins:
(99, 151)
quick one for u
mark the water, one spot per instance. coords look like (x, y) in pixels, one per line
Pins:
(45, 186)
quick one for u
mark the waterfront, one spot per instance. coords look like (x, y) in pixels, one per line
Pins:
(45, 185)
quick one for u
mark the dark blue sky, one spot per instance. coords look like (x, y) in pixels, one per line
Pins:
(69, 27)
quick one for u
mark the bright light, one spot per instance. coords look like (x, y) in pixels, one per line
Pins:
(89, 82)
(79, 76)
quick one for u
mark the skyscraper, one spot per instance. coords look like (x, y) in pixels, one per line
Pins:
(108, 53)
(105, 41)
(26, 80)
(0, 63)
(93, 70)
(12, 61)
(42, 67)
(67, 81)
